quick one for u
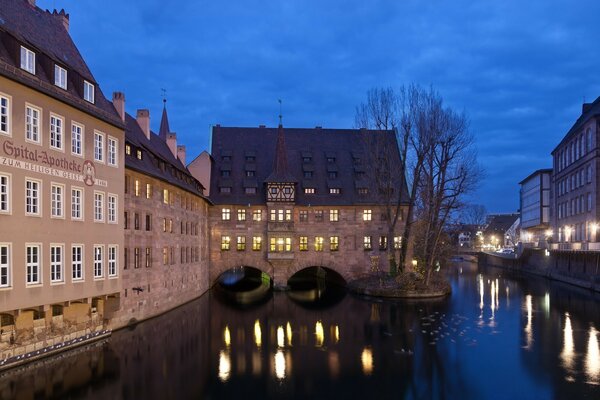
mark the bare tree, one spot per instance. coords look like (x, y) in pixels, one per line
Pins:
(474, 214)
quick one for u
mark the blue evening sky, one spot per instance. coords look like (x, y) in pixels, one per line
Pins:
(521, 70)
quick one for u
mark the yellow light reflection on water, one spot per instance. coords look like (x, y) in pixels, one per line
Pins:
(493, 298)
(227, 336)
(288, 329)
(334, 364)
(280, 337)
(367, 361)
(497, 293)
(336, 334)
(481, 293)
(319, 334)
(592, 359)
(257, 334)
(567, 354)
(224, 366)
(528, 327)
(280, 364)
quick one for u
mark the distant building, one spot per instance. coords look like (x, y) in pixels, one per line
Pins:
(500, 230)
(535, 207)
(575, 182)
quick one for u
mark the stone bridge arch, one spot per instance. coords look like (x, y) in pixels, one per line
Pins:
(341, 273)
(216, 274)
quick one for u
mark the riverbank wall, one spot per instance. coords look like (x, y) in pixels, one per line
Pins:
(576, 268)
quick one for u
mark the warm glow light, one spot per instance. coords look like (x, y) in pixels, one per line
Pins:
(319, 334)
(224, 366)
(547, 304)
(288, 329)
(280, 364)
(529, 328)
(280, 337)
(367, 361)
(415, 263)
(257, 334)
(227, 336)
(592, 359)
(493, 298)
(568, 352)
(481, 293)
(336, 334)
(549, 232)
(497, 292)
(594, 227)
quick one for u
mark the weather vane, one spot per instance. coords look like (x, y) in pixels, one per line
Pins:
(164, 94)
(280, 116)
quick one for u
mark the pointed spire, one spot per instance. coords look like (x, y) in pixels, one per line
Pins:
(164, 123)
(280, 172)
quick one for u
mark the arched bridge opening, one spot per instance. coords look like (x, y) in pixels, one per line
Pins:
(244, 286)
(317, 287)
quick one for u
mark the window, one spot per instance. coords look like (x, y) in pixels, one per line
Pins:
(88, 91)
(334, 243)
(303, 243)
(77, 262)
(319, 243)
(241, 215)
(367, 242)
(32, 197)
(382, 242)
(148, 222)
(112, 209)
(32, 264)
(99, 146)
(397, 242)
(334, 191)
(76, 139)
(332, 174)
(98, 261)
(308, 174)
(280, 244)
(303, 216)
(250, 174)
(226, 214)
(256, 243)
(56, 263)
(330, 159)
(241, 243)
(27, 60)
(225, 190)
(367, 214)
(112, 260)
(136, 188)
(5, 269)
(225, 242)
(589, 202)
(76, 203)
(56, 132)
(113, 151)
(60, 77)
(363, 191)
(136, 257)
(309, 190)
(136, 221)
(138, 154)
(56, 200)
(334, 215)
(257, 215)
(281, 215)
(319, 215)
(165, 253)
(32, 124)
(98, 207)
(4, 115)
(148, 191)
(148, 257)
(225, 173)
(226, 158)
(306, 159)
(165, 196)
(4, 194)
(250, 190)
(250, 158)
(164, 224)
(128, 149)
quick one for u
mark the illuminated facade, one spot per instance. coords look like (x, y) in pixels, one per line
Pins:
(535, 207)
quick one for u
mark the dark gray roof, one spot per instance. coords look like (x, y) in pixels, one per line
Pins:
(500, 223)
(589, 110)
(157, 159)
(351, 166)
(537, 172)
(44, 33)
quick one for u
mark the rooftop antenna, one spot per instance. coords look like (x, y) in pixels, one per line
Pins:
(164, 95)
(280, 116)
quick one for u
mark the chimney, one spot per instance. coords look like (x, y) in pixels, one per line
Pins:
(172, 143)
(61, 15)
(181, 154)
(119, 104)
(143, 120)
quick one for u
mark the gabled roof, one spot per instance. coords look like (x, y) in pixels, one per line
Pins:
(244, 158)
(590, 110)
(44, 33)
(164, 129)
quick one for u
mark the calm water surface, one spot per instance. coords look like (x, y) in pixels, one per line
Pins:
(496, 337)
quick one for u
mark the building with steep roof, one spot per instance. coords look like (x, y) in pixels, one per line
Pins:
(287, 199)
(61, 185)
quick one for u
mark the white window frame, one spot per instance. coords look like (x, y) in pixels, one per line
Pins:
(367, 215)
(29, 266)
(74, 215)
(88, 91)
(57, 200)
(6, 267)
(77, 265)
(113, 261)
(112, 211)
(37, 198)
(98, 146)
(99, 206)
(112, 153)
(27, 60)
(60, 77)
(33, 124)
(57, 269)
(5, 116)
(5, 191)
(57, 133)
(98, 261)
(77, 135)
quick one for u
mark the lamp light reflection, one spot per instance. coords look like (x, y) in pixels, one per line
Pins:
(280, 364)
(288, 329)
(280, 337)
(227, 336)
(224, 366)
(568, 352)
(257, 334)
(336, 334)
(528, 328)
(319, 334)
(367, 361)
(592, 359)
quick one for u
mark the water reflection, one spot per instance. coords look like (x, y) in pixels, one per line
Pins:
(592, 360)
(529, 327)
(567, 354)
(257, 334)
(366, 359)
(224, 365)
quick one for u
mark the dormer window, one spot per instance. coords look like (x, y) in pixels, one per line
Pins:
(60, 77)
(330, 159)
(309, 190)
(128, 149)
(226, 158)
(88, 91)
(27, 60)
(332, 175)
(306, 159)
(250, 158)
(334, 191)
(138, 154)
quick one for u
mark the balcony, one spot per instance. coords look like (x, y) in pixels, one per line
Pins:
(284, 255)
(287, 226)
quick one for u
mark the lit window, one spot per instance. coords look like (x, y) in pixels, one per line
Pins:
(112, 151)
(32, 124)
(367, 214)
(148, 257)
(77, 262)
(32, 197)
(226, 214)
(241, 215)
(165, 253)
(367, 243)
(98, 146)
(76, 139)
(382, 242)
(137, 188)
(363, 191)
(257, 215)
(241, 243)
(5, 265)
(334, 215)
(309, 190)
(32, 264)
(98, 261)
(280, 244)
(397, 242)
(128, 149)
(319, 243)
(112, 260)
(56, 263)
(4, 194)
(303, 245)
(138, 154)
(334, 191)
(148, 191)
(98, 207)
(319, 215)
(56, 132)
(225, 242)
(56, 200)
(256, 243)
(112, 209)
(27, 60)
(60, 76)
(88, 91)
(165, 196)
(4, 115)
(334, 243)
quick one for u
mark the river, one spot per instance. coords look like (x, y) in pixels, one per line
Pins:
(498, 336)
